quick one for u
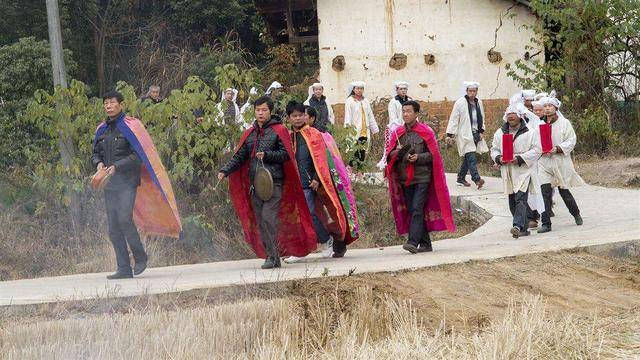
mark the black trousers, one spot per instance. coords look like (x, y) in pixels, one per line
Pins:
(266, 213)
(567, 197)
(519, 209)
(416, 196)
(122, 230)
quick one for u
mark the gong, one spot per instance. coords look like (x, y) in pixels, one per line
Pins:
(263, 183)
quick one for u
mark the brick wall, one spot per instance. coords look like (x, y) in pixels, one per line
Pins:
(437, 114)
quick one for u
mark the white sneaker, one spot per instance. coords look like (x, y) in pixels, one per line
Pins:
(328, 249)
(293, 259)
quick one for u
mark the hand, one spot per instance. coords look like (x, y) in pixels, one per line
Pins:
(260, 155)
(221, 176)
(496, 166)
(314, 185)
(111, 169)
(505, 162)
(100, 166)
(449, 140)
(412, 158)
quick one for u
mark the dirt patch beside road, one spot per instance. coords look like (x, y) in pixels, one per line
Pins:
(620, 173)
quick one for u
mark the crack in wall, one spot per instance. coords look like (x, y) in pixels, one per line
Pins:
(495, 44)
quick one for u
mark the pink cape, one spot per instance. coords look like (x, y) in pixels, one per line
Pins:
(438, 213)
(344, 186)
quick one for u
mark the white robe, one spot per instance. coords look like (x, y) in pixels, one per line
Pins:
(332, 118)
(524, 177)
(238, 118)
(460, 126)
(557, 169)
(395, 113)
(353, 117)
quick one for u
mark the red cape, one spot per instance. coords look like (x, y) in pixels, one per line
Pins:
(438, 213)
(296, 236)
(336, 221)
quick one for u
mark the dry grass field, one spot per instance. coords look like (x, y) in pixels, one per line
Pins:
(565, 305)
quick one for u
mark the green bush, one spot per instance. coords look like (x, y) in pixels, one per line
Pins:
(594, 132)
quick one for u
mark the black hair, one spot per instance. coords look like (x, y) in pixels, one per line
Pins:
(113, 94)
(264, 100)
(294, 106)
(311, 111)
(414, 104)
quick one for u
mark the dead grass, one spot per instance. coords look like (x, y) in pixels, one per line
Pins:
(375, 328)
(565, 305)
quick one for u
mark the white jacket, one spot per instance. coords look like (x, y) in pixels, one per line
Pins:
(353, 116)
(395, 113)
(557, 169)
(460, 126)
(522, 177)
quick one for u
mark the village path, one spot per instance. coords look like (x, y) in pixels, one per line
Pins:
(610, 216)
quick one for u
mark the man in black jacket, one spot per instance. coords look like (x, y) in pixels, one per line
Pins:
(113, 151)
(263, 145)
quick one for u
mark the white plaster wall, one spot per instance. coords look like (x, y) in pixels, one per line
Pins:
(458, 32)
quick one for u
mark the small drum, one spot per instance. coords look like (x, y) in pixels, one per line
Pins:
(101, 178)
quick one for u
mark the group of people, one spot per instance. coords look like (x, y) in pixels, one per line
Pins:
(292, 190)
(533, 151)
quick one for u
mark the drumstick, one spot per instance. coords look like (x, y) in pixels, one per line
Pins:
(215, 188)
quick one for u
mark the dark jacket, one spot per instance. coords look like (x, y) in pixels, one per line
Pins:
(475, 104)
(322, 119)
(422, 166)
(112, 148)
(305, 162)
(265, 140)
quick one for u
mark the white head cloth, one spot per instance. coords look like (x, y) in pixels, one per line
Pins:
(541, 95)
(235, 94)
(552, 100)
(469, 85)
(312, 87)
(536, 103)
(517, 109)
(528, 94)
(355, 84)
(274, 85)
(396, 85)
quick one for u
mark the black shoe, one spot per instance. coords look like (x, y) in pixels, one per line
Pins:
(515, 232)
(525, 233)
(339, 249)
(578, 219)
(544, 229)
(140, 267)
(424, 247)
(410, 248)
(120, 275)
(271, 263)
